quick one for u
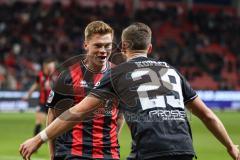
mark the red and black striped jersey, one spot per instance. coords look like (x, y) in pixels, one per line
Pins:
(95, 138)
(44, 82)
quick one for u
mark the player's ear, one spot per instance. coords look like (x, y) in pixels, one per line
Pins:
(85, 45)
(124, 46)
(149, 50)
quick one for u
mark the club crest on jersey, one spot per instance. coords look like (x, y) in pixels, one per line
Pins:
(50, 97)
(97, 84)
(83, 83)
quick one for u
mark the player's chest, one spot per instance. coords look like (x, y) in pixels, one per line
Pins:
(87, 82)
(45, 81)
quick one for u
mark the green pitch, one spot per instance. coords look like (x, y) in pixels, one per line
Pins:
(16, 127)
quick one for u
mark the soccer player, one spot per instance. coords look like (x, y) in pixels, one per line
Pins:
(95, 138)
(43, 83)
(153, 96)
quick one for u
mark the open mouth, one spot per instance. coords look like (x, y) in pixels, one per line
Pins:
(102, 58)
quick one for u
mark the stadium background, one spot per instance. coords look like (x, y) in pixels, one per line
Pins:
(199, 37)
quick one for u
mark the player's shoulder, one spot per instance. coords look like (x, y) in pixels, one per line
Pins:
(71, 68)
(62, 77)
(118, 68)
(63, 82)
(70, 65)
(154, 64)
(111, 65)
(164, 64)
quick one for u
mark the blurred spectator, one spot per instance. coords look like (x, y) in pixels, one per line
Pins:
(202, 45)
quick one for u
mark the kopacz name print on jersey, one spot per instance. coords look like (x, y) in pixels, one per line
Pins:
(152, 95)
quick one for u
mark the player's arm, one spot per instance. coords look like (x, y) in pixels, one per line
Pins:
(34, 86)
(120, 122)
(213, 123)
(60, 125)
(69, 118)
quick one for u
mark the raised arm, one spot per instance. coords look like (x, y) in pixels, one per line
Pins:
(213, 123)
(60, 125)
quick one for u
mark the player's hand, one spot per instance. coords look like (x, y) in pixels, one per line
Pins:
(234, 152)
(25, 98)
(30, 146)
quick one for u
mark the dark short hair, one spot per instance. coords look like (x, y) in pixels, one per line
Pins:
(138, 36)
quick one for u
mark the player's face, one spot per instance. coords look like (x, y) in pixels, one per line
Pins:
(51, 67)
(99, 48)
(45, 68)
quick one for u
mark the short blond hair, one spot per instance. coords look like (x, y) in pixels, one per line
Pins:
(97, 27)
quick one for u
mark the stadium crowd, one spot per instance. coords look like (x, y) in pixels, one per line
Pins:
(198, 43)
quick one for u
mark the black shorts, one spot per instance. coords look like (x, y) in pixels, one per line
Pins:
(42, 109)
(176, 157)
(60, 158)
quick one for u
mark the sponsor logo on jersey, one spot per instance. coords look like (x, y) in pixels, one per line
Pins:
(83, 83)
(168, 114)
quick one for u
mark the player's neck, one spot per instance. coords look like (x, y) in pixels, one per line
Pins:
(132, 55)
(45, 72)
(93, 67)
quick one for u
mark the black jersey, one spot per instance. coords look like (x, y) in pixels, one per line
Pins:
(152, 96)
(92, 139)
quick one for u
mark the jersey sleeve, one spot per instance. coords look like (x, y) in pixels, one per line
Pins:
(104, 88)
(188, 93)
(61, 96)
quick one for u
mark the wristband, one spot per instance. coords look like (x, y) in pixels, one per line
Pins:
(43, 136)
